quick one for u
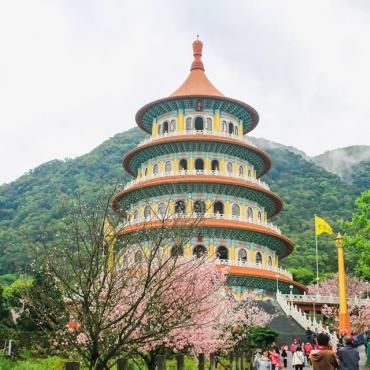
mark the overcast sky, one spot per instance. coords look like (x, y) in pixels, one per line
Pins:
(73, 73)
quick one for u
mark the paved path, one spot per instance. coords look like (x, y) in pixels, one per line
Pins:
(361, 349)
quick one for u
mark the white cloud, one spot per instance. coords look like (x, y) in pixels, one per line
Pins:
(74, 73)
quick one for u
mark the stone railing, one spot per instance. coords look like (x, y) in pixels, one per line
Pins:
(321, 299)
(196, 133)
(193, 173)
(254, 265)
(216, 216)
(304, 320)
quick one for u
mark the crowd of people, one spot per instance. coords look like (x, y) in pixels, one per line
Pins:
(322, 352)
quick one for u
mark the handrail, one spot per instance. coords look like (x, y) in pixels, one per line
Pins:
(317, 298)
(299, 316)
(216, 216)
(196, 133)
(138, 180)
(249, 264)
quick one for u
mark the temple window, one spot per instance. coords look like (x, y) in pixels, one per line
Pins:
(188, 124)
(259, 217)
(249, 172)
(147, 212)
(199, 124)
(199, 250)
(258, 258)
(173, 126)
(250, 214)
(146, 171)
(242, 255)
(224, 126)
(160, 129)
(222, 253)
(162, 209)
(183, 165)
(138, 257)
(155, 169)
(180, 207)
(209, 124)
(165, 127)
(168, 166)
(241, 171)
(235, 210)
(231, 128)
(236, 130)
(199, 164)
(269, 261)
(177, 250)
(229, 167)
(136, 214)
(215, 165)
(218, 208)
(199, 207)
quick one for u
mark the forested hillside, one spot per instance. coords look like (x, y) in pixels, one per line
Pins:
(35, 199)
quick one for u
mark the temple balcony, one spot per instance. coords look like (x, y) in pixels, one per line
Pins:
(195, 172)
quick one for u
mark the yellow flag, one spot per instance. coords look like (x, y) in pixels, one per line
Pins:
(321, 226)
(110, 241)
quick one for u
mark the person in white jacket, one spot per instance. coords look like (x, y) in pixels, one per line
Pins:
(298, 359)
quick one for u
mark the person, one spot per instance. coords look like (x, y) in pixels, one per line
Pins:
(275, 359)
(368, 350)
(323, 358)
(349, 358)
(298, 358)
(263, 362)
(309, 334)
(294, 345)
(307, 350)
(284, 354)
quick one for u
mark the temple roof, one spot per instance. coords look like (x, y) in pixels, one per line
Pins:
(197, 82)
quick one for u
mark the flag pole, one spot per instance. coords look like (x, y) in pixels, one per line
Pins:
(317, 269)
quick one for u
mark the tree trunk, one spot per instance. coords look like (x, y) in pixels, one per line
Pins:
(180, 361)
(237, 361)
(232, 360)
(212, 361)
(122, 364)
(151, 361)
(201, 361)
(242, 361)
(72, 365)
(161, 362)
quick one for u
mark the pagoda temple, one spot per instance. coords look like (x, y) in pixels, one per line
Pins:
(198, 161)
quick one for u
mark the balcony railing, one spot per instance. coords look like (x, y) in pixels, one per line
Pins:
(217, 216)
(322, 299)
(196, 133)
(254, 265)
(193, 173)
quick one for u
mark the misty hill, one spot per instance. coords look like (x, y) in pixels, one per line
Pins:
(343, 161)
(35, 199)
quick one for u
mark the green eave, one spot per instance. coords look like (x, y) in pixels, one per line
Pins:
(147, 114)
(210, 187)
(173, 147)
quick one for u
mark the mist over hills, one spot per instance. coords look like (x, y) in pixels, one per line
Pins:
(306, 187)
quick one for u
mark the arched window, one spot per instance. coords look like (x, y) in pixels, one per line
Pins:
(236, 130)
(160, 129)
(235, 210)
(258, 257)
(269, 261)
(199, 251)
(173, 125)
(147, 212)
(199, 164)
(259, 217)
(146, 171)
(218, 208)
(155, 169)
(224, 126)
(215, 165)
(177, 250)
(229, 167)
(249, 172)
(165, 127)
(231, 128)
(188, 124)
(180, 207)
(222, 253)
(168, 166)
(136, 214)
(199, 124)
(199, 207)
(242, 255)
(250, 214)
(209, 124)
(183, 165)
(138, 257)
(162, 209)
(241, 171)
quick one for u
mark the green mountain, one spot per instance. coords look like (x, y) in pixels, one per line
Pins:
(35, 199)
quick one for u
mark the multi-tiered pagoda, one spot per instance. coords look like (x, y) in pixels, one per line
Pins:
(198, 161)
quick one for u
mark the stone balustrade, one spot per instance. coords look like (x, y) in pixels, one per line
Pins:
(321, 299)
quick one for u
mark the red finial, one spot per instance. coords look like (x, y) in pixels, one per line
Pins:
(197, 52)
